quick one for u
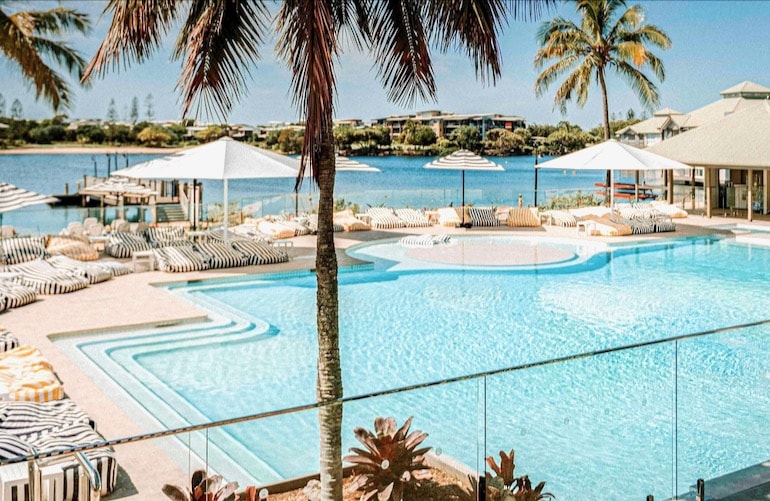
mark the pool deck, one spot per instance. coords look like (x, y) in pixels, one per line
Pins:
(133, 301)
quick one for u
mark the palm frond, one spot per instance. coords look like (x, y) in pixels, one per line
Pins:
(400, 45)
(474, 25)
(553, 72)
(218, 41)
(644, 88)
(137, 28)
(630, 20)
(309, 45)
(529, 10)
(59, 20)
(555, 25)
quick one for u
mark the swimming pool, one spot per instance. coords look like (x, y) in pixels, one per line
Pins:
(604, 422)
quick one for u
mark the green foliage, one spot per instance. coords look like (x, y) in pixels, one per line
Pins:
(391, 465)
(345, 136)
(290, 140)
(211, 133)
(467, 137)
(203, 488)
(564, 141)
(573, 200)
(615, 126)
(47, 134)
(90, 134)
(504, 485)
(119, 134)
(341, 204)
(154, 135)
(502, 142)
(424, 136)
(271, 138)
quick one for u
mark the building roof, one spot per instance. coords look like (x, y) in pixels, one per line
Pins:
(666, 112)
(738, 140)
(746, 87)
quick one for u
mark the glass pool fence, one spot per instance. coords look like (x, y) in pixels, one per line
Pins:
(679, 410)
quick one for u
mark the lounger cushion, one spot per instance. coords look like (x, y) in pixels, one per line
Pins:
(33, 420)
(166, 236)
(483, 216)
(41, 276)
(15, 295)
(12, 446)
(220, 255)
(385, 218)
(275, 230)
(91, 271)
(115, 268)
(8, 341)
(123, 244)
(73, 247)
(260, 253)
(349, 221)
(523, 217)
(447, 216)
(180, 259)
(413, 218)
(22, 249)
(312, 224)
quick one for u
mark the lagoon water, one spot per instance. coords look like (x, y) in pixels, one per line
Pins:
(402, 182)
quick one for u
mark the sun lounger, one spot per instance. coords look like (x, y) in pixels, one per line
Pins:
(123, 244)
(482, 216)
(22, 249)
(180, 259)
(14, 295)
(413, 218)
(349, 221)
(8, 341)
(274, 230)
(384, 218)
(447, 216)
(115, 268)
(166, 237)
(523, 217)
(91, 271)
(561, 218)
(259, 252)
(32, 420)
(312, 223)
(422, 241)
(220, 255)
(297, 227)
(604, 227)
(671, 211)
(28, 376)
(44, 278)
(79, 248)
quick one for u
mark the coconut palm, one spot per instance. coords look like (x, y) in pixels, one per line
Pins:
(25, 40)
(219, 40)
(597, 45)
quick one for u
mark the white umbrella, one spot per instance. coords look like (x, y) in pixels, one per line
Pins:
(345, 164)
(609, 156)
(12, 198)
(463, 160)
(223, 159)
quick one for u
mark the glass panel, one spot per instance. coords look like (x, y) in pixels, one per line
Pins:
(602, 424)
(723, 402)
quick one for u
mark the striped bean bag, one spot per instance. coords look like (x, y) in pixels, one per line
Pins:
(260, 253)
(14, 295)
(12, 446)
(74, 247)
(180, 259)
(275, 229)
(220, 255)
(349, 221)
(167, 237)
(412, 218)
(312, 224)
(115, 268)
(384, 218)
(31, 384)
(123, 244)
(41, 276)
(72, 436)
(483, 216)
(7, 342)
(32, 420)
(245, 232)
(296, 226)
(91, 271)
(22, 249)
(562, 218)
(416, 241)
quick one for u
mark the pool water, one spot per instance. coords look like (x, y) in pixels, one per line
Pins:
(603, 423)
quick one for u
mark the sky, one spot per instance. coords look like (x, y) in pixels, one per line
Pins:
(716, 44)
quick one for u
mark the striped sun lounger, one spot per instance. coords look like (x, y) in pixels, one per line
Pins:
(220, 255)
(417, 241)
(23, 249)
(72, 436)
(91, 271)
(384, 218)
(260, 253)
(28, 376)
(122, 244)
(14, 295)
(115, 268)
(312, 224)
(167, 237)
(413, 218)
(8, 341)
(44, 278)
(33, 420)
(483, 216)
(180, 259)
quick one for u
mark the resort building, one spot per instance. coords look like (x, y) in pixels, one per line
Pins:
(444, 123)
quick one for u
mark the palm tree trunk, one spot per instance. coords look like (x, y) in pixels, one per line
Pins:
(329, 379)
(606, 110)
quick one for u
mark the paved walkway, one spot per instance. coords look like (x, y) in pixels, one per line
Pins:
(134, 301)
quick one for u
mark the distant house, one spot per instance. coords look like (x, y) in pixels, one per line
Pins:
(444, 123)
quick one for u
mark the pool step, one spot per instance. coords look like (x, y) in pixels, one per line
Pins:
(170, 213)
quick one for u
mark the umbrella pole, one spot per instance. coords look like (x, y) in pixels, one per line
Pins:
(462, 207)
(612, 188)
(636, 186)
(226, 211)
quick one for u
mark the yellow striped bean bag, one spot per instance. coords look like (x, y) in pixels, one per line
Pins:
(23, 356)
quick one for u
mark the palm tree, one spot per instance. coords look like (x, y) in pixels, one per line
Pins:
(24, 39)
(219, 39)
(596, 46)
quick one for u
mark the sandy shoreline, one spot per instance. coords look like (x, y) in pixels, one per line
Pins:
(86, 150)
